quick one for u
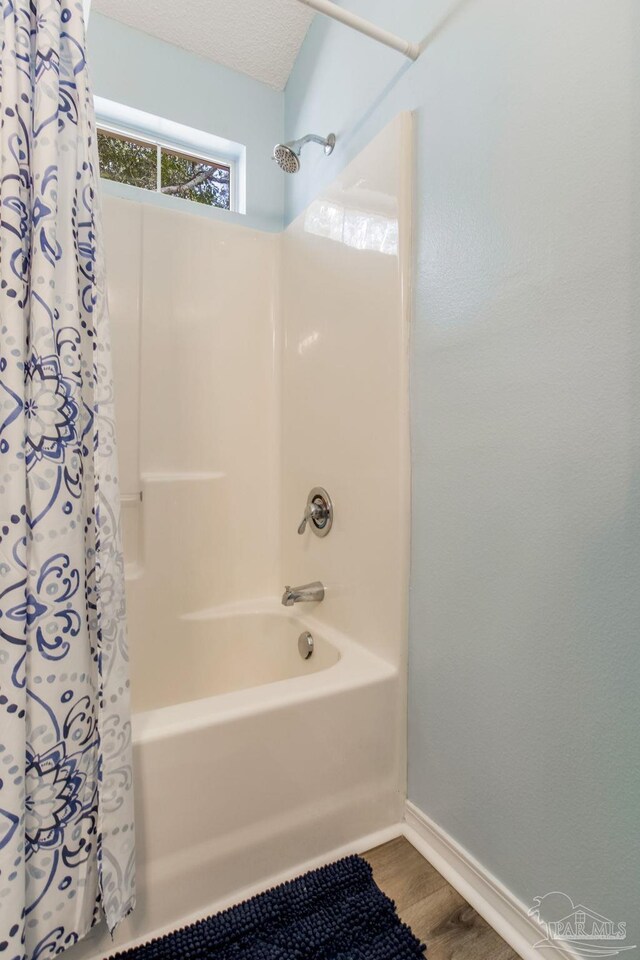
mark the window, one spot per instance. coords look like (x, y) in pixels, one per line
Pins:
(153, 166)
(148, 152)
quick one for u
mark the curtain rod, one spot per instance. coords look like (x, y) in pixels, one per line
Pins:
(330, 9)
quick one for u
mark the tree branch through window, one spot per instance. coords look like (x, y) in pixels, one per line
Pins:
(135, 162)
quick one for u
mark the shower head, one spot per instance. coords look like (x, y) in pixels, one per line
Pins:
(286, 158)
(287, 155)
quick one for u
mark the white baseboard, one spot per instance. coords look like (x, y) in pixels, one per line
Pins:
(498, 906)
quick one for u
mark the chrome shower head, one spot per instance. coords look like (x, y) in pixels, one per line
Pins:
(287, 155)
(286, 158)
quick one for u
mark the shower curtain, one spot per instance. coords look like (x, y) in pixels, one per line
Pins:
(66, 804)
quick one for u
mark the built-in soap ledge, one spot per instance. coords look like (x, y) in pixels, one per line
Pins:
(193, 476)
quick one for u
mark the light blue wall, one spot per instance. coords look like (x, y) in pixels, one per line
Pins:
(134, 68)
(524, 717)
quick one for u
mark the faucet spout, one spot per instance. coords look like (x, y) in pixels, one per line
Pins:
(304, 594)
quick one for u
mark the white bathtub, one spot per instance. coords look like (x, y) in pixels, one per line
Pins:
(234, 648)
(252, 764)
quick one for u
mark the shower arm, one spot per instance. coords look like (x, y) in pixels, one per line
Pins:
(330, 9)
(308, 138)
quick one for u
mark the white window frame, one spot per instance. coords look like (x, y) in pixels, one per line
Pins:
(157, 131)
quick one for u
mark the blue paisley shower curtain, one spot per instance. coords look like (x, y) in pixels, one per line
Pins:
(66, 830)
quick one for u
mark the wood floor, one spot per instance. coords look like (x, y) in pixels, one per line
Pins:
(436, 913)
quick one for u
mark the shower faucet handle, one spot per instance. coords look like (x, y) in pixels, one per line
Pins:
(313, 511)
(318, 513)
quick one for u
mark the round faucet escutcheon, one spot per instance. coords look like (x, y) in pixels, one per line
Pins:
(318, 513)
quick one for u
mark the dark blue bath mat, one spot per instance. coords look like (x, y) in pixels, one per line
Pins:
(335, 913)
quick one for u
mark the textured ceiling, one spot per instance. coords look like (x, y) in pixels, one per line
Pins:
(258, 37)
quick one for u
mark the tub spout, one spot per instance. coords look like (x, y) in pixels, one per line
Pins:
(303, 594)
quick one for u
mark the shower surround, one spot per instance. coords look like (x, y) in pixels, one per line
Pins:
(251, 367)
